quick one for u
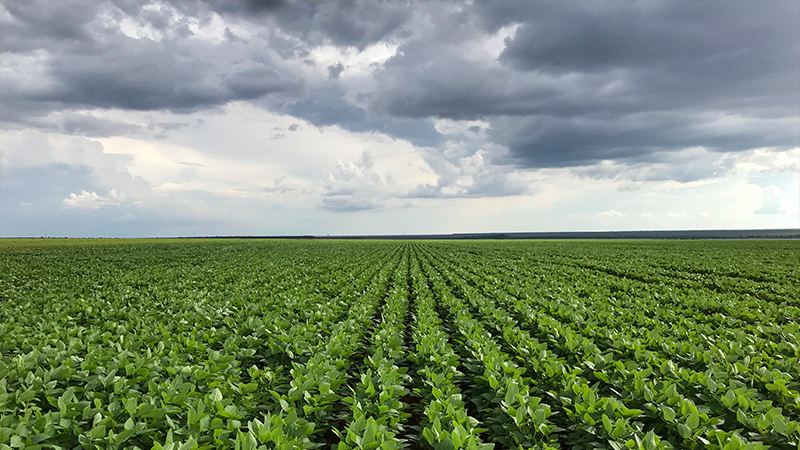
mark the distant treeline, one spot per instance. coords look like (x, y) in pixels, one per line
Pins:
(788, 233)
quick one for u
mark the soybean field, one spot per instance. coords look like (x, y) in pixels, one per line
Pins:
(304, 344)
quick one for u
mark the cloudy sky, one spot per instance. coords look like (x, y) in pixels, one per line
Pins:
(197, 118)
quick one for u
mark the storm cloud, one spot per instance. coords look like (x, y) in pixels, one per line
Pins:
(573, 84)
(577, 83)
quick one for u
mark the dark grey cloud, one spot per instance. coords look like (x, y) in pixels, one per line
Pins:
(36, 24)
(335, 71)
(231, 36)
(258, 82)
(574, 84)
(74, 123)
(92, 125)
(105, 69)
(581, 82)
(547, 141)
(677, 54)
(89, 63)
(145, 75)
(341, 23)
(327, 106)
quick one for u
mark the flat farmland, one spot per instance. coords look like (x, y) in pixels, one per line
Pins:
(285, 344)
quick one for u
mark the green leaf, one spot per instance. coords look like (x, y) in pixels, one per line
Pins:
(27, 395)
(456, 438)
(188, 445)
(370, 430)
(539, 416)
(779, 424)
(36, 438)
(733, 444)
(650, 441)
(607, 424)
(216, 395)
(17, 442)
(428, 434)
(98, 432)
(693, 421)
(447, 444)
(124, 436)
(668, 413)
(601, 376)
(684, 431)
(5, 434)
(229, 415)
(616, 445)
(742, 417)
(619, 429)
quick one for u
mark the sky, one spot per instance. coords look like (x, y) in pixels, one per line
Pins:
(195, 118)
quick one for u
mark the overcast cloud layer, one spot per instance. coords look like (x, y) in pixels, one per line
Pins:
(176, 118)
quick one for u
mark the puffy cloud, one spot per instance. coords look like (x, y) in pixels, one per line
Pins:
(356, 186)
(464, 174)
(771, 199)
(612, 213)
(91, 200)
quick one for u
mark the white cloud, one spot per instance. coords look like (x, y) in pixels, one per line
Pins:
(355, 186)
(675, 214)
(471, 169)
(612, 213)
(767, 160)
(91, 200)
(456, 127)
(703, 214)
(771, 199)
(357, 64)
(280, 186)
(646, 214)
